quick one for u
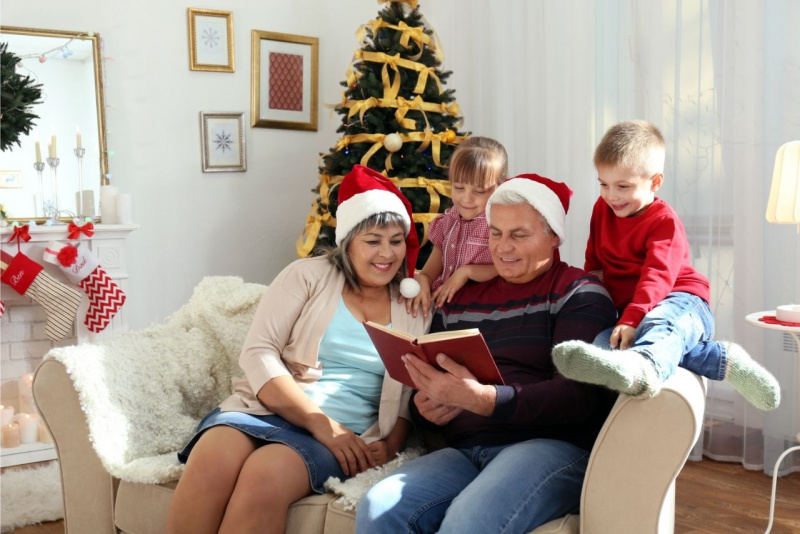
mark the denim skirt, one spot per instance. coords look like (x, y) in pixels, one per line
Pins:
(264, 429)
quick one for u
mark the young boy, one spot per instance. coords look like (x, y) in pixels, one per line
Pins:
(638, 247)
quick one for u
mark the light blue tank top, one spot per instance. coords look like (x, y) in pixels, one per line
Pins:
(349, 390)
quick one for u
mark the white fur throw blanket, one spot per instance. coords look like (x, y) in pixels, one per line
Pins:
(144, 392)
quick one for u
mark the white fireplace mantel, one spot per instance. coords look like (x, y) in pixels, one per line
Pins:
(107, 243)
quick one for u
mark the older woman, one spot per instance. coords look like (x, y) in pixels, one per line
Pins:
(516, 453)
(316, 401)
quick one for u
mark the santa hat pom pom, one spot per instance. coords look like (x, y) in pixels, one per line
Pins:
(409, 288)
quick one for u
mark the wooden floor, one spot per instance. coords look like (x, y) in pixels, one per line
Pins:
(711, 497)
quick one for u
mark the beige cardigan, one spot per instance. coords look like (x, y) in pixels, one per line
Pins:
(286, 331)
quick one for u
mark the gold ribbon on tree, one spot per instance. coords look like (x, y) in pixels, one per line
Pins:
(426, 138)
(392, 88)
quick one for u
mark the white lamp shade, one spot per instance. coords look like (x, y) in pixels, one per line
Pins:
(783, 206)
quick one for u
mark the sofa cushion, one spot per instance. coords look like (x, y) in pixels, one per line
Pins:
(143, 508)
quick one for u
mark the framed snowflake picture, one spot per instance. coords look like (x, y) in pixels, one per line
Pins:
(223, 142)
(211, 40)
(284, 81)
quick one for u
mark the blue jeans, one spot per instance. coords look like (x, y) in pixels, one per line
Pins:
(505, 488)
(678, 332)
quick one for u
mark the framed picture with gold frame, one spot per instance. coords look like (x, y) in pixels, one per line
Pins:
(211, 40)
(11, 179)
(284, 81)
(223, 142)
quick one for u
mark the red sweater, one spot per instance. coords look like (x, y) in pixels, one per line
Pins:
(643, 258)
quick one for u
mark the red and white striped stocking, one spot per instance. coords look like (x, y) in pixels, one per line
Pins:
(60, 301)
(82, 267)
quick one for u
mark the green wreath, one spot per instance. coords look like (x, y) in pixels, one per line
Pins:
(18, 94)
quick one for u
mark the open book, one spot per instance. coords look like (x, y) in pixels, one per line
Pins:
(465, 347)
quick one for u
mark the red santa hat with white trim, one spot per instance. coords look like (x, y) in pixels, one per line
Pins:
(365, 192)
(548, 197)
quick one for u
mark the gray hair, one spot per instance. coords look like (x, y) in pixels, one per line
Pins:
(340, 256)
(509, 197)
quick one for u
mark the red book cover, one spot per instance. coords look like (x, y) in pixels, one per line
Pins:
(465, 347)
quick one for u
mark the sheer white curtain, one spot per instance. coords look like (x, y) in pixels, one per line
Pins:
(722, 81)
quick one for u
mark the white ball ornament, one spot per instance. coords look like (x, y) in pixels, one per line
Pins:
(392, 142)
(409, 288)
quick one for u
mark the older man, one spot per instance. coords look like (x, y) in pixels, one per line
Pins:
(516, 454)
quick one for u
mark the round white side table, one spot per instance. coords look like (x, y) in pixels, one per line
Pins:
(793, 331)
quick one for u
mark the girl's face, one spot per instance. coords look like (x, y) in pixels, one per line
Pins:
(377, 254)
(470, 200)
(627, 193)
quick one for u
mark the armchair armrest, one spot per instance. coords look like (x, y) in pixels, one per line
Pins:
(630, 481)
(88, 489)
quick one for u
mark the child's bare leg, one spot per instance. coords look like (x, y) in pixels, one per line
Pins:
(272, 479)
(626, 371)
(755, 383)
(209, 479)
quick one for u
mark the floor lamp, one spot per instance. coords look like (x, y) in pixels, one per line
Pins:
(783, 207)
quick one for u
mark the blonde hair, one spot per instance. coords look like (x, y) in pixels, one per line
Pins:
(479, 161)
(636, 145)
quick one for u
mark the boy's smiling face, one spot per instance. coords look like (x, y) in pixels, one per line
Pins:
(625, 191)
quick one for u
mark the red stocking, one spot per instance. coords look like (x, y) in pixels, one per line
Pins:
(59, 301)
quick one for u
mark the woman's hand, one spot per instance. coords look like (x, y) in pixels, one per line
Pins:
(353, 455)
(387, 448)
(423, 299)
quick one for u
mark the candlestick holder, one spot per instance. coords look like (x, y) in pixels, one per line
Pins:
(39, 166)
(53, 163)
(79, 152)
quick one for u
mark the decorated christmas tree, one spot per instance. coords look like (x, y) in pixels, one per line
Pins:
(397, 118)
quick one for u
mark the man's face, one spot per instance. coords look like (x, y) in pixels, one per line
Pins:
(521, 248)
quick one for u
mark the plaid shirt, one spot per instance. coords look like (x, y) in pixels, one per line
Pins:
(462, 242)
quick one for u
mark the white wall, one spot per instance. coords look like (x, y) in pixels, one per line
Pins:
(196, 224)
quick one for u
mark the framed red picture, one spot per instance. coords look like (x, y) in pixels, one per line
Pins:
(284, 81)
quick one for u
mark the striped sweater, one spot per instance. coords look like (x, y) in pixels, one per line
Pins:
(521, 323)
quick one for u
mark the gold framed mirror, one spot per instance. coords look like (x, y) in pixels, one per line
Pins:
(68, 65)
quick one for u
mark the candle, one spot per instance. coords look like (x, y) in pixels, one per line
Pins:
(10, 435)
(44, 434)
(124, 208)
(85, 199)
(38, 152)
(53, 145)
(26, 404)
(78, 137)
(108, 204)
(8, 414)
(29, 428)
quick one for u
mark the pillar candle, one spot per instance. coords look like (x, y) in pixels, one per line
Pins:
(124, 208)
(26, 404)
(108, 204)
(85, 199)
(8, 415)
(29, 428)
(38, 152)
(44, 434)
(10, 435)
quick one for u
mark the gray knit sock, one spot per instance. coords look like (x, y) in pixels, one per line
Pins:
(750, 379)
(626, 371)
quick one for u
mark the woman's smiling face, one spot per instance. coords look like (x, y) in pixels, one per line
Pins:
(377, 253)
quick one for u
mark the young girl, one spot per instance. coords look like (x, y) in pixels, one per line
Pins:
(461, 235)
